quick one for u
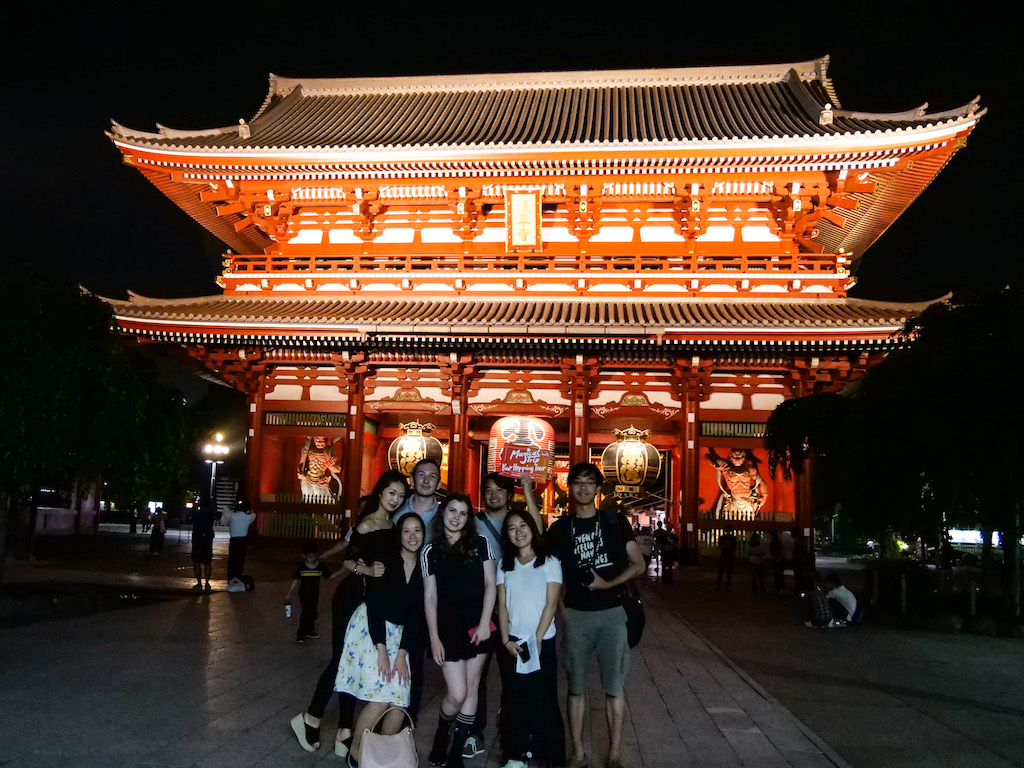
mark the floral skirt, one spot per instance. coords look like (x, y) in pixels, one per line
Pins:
(357, 672)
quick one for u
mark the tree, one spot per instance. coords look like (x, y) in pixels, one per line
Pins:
(930, 436)
(78, 403)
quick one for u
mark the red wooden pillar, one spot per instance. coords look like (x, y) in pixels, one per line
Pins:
(674, 505)
(254, 439)
(579, 422)
(460, 372)
(354, 427)
(690, 446)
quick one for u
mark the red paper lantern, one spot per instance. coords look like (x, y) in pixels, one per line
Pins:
(522, 446)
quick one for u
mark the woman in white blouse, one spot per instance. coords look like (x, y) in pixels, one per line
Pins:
(529, 584)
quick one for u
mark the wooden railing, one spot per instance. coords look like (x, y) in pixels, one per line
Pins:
(524, 262)
(299, 525)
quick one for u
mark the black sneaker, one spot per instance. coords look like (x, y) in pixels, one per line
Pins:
(300, 640)
(312, 636)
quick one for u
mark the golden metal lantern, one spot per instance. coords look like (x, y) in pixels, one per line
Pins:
(631, 463)
(413, 446)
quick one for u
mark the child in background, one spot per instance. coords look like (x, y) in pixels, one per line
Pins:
(307, 581)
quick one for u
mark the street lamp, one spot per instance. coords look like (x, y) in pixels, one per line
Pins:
(214, 449)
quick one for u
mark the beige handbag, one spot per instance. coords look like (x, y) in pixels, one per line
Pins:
(396, 751)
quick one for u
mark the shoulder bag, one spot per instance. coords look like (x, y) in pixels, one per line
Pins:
(635, 617)
(395, 751)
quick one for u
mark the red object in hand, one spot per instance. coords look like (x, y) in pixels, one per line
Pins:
(472, 631)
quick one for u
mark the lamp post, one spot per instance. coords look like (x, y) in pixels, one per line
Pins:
(214, 449)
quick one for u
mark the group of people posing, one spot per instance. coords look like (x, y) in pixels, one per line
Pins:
(436, 583)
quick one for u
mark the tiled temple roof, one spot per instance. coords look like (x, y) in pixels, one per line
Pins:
(645, 107)
(743, 319)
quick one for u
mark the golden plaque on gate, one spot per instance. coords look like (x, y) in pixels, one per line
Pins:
(522, 220)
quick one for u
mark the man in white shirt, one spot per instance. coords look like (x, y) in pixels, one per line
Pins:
(841, 600)
(239, 521)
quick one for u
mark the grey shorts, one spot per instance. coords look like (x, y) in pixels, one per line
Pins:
(600, 633)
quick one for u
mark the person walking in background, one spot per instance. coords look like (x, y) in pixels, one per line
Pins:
(803, 563)
(777, 553)
(645, 540)
(757, 554)
(202, 546)
(669, 553)
(529, 585)
(727, 543)
(239, 519)
(307, 582)
(156, 534)
(458, 595)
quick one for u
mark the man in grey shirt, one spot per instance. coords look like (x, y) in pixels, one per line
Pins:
(498, 492)
(426, 476)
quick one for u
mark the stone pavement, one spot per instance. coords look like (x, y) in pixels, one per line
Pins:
(213, 680)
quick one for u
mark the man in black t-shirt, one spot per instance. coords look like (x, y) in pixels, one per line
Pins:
(599, 554)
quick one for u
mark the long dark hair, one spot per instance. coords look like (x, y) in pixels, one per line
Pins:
(509, 550)
(373, 500)
(465, 547)
(401, 521)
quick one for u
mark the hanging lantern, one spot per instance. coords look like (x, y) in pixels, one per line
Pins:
(522, 446)
(414, 445)
(632, 463)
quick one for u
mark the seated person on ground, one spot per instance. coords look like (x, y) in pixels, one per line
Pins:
(841, 600)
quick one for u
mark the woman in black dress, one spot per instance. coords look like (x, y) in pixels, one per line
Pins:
(385, 636)
(372, 536)
(458, 594)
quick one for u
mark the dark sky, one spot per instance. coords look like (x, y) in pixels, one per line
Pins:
(77, 213)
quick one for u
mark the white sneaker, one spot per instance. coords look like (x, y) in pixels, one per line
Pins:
(473, 748)
(514, 764)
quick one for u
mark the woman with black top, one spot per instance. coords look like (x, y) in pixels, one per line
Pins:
(372, 536)
(384, 636)
(458, 593)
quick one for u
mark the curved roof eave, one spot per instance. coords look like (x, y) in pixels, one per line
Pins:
(747, 143)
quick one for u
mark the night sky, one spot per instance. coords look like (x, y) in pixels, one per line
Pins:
(76, 213)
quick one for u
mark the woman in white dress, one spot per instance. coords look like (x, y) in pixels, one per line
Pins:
(383, 634)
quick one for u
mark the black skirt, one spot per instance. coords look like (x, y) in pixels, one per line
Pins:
(530, 723)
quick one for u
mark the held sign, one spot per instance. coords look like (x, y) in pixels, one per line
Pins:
(522, 446)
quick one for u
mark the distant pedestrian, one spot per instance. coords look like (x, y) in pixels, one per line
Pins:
(645, 540)
(307, 582)
(239, 519)
(158, 529)
(669, 552)
(202, 546)
(727, 543)
(659, 543)
(803, 563)
(757, 554)
(777, 553)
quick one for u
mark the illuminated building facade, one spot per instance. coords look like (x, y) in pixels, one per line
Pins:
(662, 249)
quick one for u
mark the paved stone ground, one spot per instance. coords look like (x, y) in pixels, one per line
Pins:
(720, 679)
